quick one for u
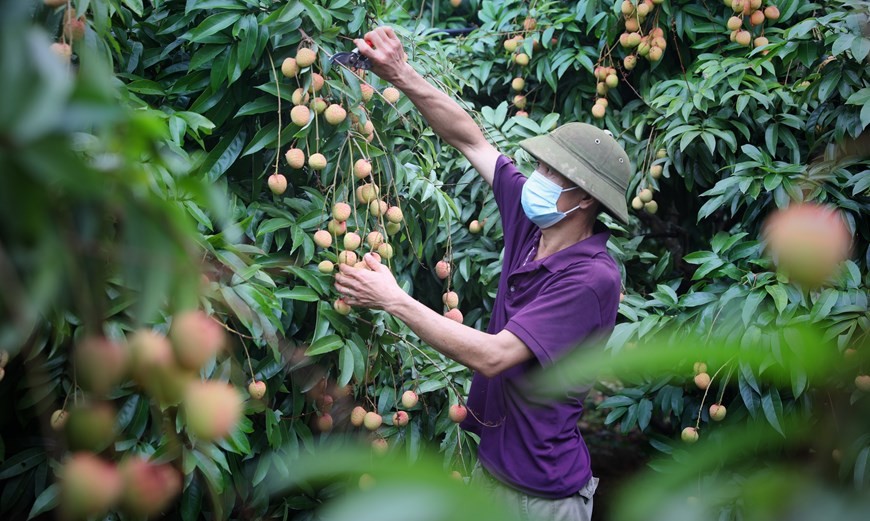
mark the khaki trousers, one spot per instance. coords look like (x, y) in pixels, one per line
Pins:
(577, 507)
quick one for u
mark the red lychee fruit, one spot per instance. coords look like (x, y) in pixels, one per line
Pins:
(400, 418)
(454, 315)
(100, 364)
(442, 269)
(196, 338)
(149, 488)
(212, 409)
(337, 227)
(324, 422)
(89, 486)
(457, 413)
(362, 168)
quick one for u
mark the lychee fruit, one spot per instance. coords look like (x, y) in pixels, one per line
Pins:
(277, 184)
(357, 416)
(62, 50)
(58, 420)
(90, 426)
(336, 227)
(521, 59)
(378, 207)
(325, 266)
(305, 57)
(341, 212)
(100, 364)
(645, 195)
(475, 226)
(367, 92)
(317, 161)
(661, 153)
(196, 338)
(295, 157)
(454, 315)
(257, 389)
(394, 214)
(316, 83)
(299, 97)
(393, 228)
(771, 12)
(89, 486)
(702, 380)
(149, 488)
(341, 307)
(734, 23)
(598, 111)
(335, 114)
(386, 251)
(717, 412)
(757, 18)
(300, 115)
(450, 299)
(289, 67)
(374, 239)
(699, 367)
(362, 168)
(689, 435)
(655, 171)
(380, 446)
(319, 105)
(372, 420)
(369, 192)
(457, 413)
(612, 81)
(409, 399)
(324, 422)
(744, 38)
(347, 257)
(629, 62)
(529, 24)
(655, 54)
(519, 101)
(442, 269)
(517, 84)
(636, 203)
(862, 382)
(352, 241)
(400, 419)
(323, 238)
(392, 94)
(212, 409)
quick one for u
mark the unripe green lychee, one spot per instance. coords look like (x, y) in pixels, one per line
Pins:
(475, 227)
(655, 171)
(386, 251)
(661, 153)
(521, 59)
(646, 195)
(91, 427)
(341, 307)
(368, 192)
(517, 84)
(378, 207)
(393, 228)
(689, 435)
(611, 80)
(651, 207)
(299, 97)
(636, 203)
(336, 227)
(519, 101)
(717, 412)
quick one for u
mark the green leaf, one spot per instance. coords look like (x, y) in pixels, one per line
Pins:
(212, 25)
(48, 499)
(21, 462)
(325, 345)
(772, 407)
(302, 293)
(779, 294)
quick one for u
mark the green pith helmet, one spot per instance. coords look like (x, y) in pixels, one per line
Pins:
(590, 158)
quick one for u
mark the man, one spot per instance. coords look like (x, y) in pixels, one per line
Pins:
(558, 287)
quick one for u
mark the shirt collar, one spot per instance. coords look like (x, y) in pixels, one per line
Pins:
(587, 248)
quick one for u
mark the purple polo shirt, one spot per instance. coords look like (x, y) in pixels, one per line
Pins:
(531, 443)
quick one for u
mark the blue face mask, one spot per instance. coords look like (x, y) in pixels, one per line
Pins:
(539, 200)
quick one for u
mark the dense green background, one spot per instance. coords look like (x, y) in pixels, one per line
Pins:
(144, 164)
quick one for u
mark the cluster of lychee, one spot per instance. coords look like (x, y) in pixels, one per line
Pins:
(751, 14)
(644, 198)
(308, 104)
(450, 298)
(651, 45)
(372, 421)
(73, 29)
(370, 204)
(167, 369)
(607, 80)
(717, 410)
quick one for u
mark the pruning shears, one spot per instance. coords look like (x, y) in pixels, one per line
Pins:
(353, 60)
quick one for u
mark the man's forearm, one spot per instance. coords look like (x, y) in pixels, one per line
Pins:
(445, 116)
(468, 346)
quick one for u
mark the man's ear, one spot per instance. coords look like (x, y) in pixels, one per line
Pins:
(586, 200)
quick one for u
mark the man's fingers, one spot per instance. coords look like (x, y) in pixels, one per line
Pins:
(364, 48)
(390, 33)
(379, 39)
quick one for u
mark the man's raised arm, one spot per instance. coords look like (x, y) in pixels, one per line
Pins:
(446, 117)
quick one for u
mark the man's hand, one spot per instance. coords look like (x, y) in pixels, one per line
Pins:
(375, 289)
(383, 48)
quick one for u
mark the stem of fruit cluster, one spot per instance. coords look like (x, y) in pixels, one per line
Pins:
(707, 390)
(241, 336)
(278, 89)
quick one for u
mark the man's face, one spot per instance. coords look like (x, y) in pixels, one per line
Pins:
(567, 200)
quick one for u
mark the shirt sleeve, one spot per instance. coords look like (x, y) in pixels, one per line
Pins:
(563, 315)
(507, 187)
